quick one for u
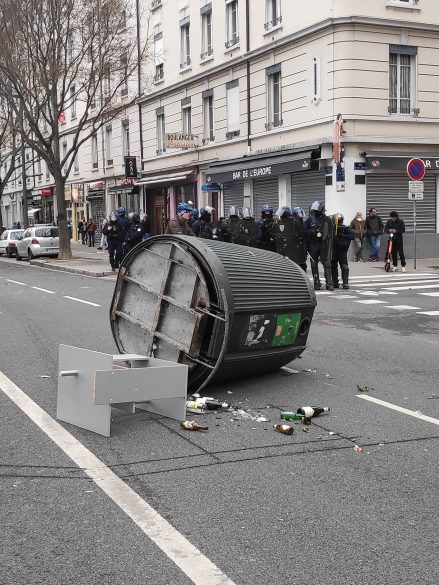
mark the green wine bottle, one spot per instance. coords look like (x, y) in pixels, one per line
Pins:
(291, 416)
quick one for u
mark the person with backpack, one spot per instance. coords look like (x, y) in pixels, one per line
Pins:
(135, 233)
(91, 228)
(114, 232)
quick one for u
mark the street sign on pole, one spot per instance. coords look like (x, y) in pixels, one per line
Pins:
(416, 196)
(416, 186)
(416, 169)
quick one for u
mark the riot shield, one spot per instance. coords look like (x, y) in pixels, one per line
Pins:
(247, 233)
(327, 244)
(298, 244)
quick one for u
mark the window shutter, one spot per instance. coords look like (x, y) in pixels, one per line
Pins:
(233, 109)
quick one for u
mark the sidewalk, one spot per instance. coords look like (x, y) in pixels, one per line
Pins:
(93, 262)
(86, 260)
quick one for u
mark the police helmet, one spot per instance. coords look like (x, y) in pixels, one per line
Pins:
(283, 212)
(206, 210)
(121, 211)
(131, 215)
(183, 208)
(113, 216)
(317, 206)
(233, 211)
(247, 213)
(136, 217)
(195, 213)
(298, 211)
(266, 210)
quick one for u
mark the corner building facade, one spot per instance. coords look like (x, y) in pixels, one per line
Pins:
(254, 89)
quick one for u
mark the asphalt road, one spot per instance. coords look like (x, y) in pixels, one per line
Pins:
(263, 507)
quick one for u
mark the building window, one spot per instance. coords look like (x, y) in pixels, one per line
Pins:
(187, 119)
(316, 81)
(208, 121)
(185, 46)
(232, 34)
(274, 97)
(39, 172)
(158, 54)
(76, 164)
(47, 172)
(94, 151)
(64, 156)
(125, 138)
(206, 33)
(124, 74)
(73, 102)
(161, 138)
(232, 109)
(402, 79)
(403, 3)
(109, 145)
(273, 15)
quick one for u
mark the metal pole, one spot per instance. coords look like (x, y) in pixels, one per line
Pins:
(414, 233)
(24, 174)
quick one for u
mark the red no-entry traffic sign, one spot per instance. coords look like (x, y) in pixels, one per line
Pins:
(416, 169)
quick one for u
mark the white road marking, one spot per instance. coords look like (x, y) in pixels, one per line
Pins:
(81, 301)
(16, 282)
(51, 292)
(344, 297)
(430, 419)
(375, 293)
(175, 546)
(433, 294)
(324, 292)
(403, 307)
(387, 284)
(429, 313)
(371, 302)
(413, 287)
(386, 276)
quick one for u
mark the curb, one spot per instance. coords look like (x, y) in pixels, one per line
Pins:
(84, 271)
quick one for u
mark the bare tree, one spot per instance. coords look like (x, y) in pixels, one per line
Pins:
(60, 55)
(9, 146)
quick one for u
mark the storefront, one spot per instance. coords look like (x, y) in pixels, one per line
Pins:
(162, 193)
(127, 195)
(387, 186)
(256, 180)
(43, 201)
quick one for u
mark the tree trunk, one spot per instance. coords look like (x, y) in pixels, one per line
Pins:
(65, 251)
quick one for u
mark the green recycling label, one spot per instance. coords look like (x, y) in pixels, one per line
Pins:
(287, 327)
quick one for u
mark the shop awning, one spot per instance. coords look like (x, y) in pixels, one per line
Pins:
(394, 160)
(259, 167)
(32, 212)
(157, 179)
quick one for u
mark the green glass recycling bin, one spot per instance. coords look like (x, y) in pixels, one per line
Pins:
(224, 310)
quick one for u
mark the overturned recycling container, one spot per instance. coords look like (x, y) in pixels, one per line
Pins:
(226, 311)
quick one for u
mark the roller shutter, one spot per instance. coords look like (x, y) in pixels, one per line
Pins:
(233, 194)
(306, 188)
(390, 192)
(265, 192)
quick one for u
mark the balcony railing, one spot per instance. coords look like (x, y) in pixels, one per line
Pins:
(232, 41)
(206, 54)
(208, 140)
(156, 3)
(233, 134)
(159, 76)
(272, 23)
(185, 64)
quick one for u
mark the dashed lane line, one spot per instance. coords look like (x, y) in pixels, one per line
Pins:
(16, 282)
(403, 307)
(429, 313)
(413, 287)
(419, 415)
(82, 301)
(51, 292)
(394, 283)
(433, 294)
(371, 302)
(190, 560)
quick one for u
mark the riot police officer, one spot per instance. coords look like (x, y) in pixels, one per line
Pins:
(246, 231)
(204, 227)
(319, 231)
(228, 225)
(343, 235)
(266, 225)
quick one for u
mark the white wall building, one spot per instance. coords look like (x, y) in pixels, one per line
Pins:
(257, 85)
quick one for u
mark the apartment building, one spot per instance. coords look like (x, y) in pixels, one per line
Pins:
(246, 94)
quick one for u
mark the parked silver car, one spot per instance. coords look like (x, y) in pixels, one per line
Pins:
(8, 241)
(38, 240)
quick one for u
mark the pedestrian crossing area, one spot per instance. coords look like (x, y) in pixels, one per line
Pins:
(383, 291)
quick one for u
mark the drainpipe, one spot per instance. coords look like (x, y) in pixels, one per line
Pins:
(247, 35)
(139, 81)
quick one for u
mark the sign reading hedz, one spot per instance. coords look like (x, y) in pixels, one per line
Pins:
(177, 140)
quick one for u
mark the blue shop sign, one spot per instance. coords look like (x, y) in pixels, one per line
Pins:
(211, 187)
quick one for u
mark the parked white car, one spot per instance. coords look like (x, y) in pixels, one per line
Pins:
(38, 240)
(8, 241)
